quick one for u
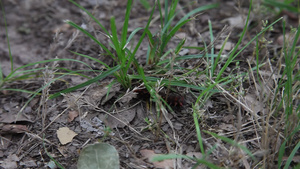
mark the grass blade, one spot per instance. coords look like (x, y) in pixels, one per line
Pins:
(281, 5)
(203, 8)
(145, 4)
(40, 62)
(166, 12)
(114, 38)
(233, 55)
(198, 131)
(18, 90)
(132, 35)
(90, 36)
(49, 155)
(141, 39)
(87, 12)
(172, 83)
(232, 142)
(97, 78)
(1, 76)
(125, 25)
(282, 147)
(291, 156)
(89, 57)
(173, 8)
(170, 35)
(174, 156)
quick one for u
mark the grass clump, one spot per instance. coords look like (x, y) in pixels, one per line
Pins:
(282, 105)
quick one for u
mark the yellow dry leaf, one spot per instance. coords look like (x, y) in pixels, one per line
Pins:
(65, 135)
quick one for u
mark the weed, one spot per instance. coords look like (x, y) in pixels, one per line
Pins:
(288, 5)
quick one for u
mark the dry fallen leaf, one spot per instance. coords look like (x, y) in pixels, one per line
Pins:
(94, 125)
(227, 127)
(12, 128)
(255, 105)
(236, 21)
(149, 154)
(288, 37)
(195, 155)
(10, 162)
(98, 94)
(72, 115)
(65, 135)
(180, 35)
(14, 117)
(124, 117)
(228, 118)
(127, 97)
(228, 46)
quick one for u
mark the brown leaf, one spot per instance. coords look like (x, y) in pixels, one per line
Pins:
(228, 46)
(227, 127)
(6, 141)
(236, 21)
(13, 128)
(13, 117)
(255, 105)
(10, 162)
(107, 97)
(98, 94)
(72, 115)
(228, 118)
(124, 117)
(149, 154)
(195, 154)
(127, 97)
(288, 37)
(180, 35)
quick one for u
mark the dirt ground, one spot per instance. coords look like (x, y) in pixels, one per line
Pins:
(37, 32)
